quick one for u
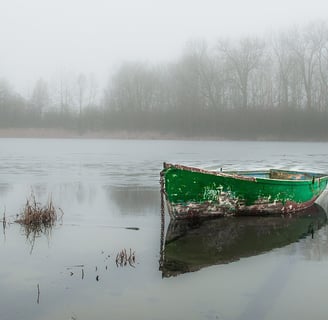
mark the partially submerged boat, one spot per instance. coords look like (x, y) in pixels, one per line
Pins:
(191, 191)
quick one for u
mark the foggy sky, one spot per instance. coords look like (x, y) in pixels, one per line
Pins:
(42, 38)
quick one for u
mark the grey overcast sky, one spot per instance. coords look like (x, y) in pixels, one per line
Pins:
(40, 38)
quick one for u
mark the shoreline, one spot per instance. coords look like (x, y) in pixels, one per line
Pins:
(44, 133)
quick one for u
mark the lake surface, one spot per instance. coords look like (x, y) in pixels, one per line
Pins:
(110, 194)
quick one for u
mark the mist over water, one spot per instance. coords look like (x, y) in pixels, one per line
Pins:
(42, 39)
(110, 194)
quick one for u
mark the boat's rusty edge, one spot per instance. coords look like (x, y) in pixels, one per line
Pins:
(215, 173)
(191, 210)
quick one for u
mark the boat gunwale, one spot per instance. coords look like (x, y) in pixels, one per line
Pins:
(237, 174)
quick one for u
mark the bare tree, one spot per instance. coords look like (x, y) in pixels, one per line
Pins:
(62, 91)
(323, 71)
(285, 64)
(209, 73)
(243, 57)
(131, 88)
(5, 92)
(40, 96)
(306, 45)
(92, 90)
(81, 85)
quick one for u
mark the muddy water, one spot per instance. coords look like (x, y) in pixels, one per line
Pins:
(109, 193)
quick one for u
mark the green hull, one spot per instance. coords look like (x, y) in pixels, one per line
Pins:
(194, 244)
(193, 192)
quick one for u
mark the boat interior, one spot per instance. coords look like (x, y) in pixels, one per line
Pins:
(280, 174)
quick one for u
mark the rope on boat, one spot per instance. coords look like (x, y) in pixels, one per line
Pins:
(161, 261)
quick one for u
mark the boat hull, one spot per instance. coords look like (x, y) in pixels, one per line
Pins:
(193, 192)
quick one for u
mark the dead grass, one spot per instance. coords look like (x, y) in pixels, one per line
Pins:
(123, 258)
(37, 219)
(34, 214)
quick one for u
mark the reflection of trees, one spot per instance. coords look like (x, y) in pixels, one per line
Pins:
(316, 247)
(4, 188)
(69, 192)
(34, 232)
(323, 200)
(66, 192)
(137, 200)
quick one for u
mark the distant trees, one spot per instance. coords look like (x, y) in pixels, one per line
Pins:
(132, 88)
(12, 106)
(301, 59)
(288, 71)
(276, 77)
(208, 90)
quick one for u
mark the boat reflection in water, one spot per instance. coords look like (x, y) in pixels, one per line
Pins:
(190, 245)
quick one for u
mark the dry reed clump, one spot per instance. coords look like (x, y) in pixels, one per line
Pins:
(123, 258)
(37, 216)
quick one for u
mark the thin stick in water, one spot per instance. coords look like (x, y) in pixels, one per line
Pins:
(38, 299)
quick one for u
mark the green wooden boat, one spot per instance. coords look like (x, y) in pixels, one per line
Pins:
(191, 192)
(192, 244)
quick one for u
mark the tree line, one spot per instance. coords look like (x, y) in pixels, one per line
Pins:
(271, 88)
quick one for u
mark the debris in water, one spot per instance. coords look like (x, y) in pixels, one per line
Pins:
(4, 222)
(75, 266)
(122, 258)
(38, 298)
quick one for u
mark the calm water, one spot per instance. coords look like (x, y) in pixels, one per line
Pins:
(106, 186)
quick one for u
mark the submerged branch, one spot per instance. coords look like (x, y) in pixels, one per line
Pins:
(38, 298)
